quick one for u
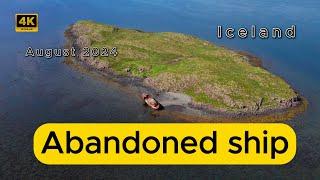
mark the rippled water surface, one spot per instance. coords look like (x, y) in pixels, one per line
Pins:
(36, 91)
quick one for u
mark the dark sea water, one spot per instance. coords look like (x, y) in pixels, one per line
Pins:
(35, 91)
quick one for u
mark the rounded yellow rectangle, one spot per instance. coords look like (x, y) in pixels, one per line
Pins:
(27, 22)
(164, 143)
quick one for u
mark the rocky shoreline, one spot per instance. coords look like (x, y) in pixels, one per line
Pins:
(181, 104)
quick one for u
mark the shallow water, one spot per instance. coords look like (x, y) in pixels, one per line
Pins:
(34, 91)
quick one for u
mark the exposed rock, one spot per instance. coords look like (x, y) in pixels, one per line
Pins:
(259, 104)
(83, 41)
(79, 29)
(102, 65)
(92, 62)
(141, 69)
(290, 102)
(115, 29)
(127, 70)
(148, 82)
(216, 92)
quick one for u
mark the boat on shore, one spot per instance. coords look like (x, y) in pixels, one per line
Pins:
(150, 101)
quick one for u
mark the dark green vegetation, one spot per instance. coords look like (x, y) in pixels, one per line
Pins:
(214, 76)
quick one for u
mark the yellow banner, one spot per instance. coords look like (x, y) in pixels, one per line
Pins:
(164, 143)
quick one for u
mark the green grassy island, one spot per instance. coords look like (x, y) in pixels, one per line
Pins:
(213, 76)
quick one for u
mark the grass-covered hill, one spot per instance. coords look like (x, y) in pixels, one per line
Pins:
(211, 75)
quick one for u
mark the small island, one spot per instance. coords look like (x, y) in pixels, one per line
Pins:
(183, 70)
